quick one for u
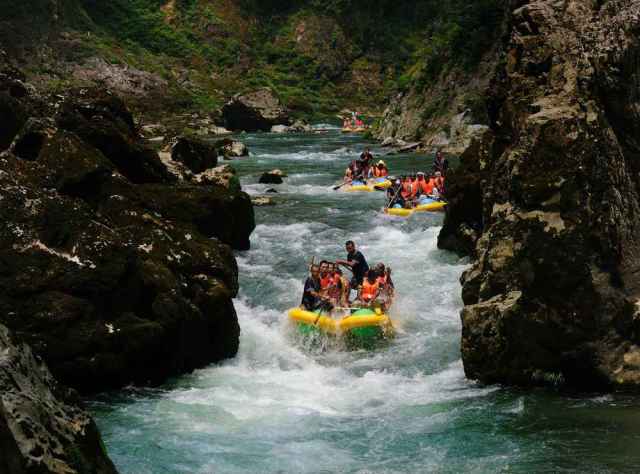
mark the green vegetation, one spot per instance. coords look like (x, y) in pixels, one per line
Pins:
(319, 55)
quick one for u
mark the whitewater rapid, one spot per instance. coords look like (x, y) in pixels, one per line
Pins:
(280, 406)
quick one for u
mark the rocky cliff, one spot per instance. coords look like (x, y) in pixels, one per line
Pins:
(550, 205)
(111, 268)
(43, 429)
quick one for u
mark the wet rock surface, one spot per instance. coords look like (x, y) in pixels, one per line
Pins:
(197, 155)
(547, 202)
(43, 428)
(272, 177)
(112, 268)
(255, 111)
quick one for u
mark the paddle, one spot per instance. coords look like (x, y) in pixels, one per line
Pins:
(335, 188)
(394, 197)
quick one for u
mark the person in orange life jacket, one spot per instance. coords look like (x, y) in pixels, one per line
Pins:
(326, 277)
(370, 289)
(341, 285)
(380, 170)
(438, 182)
(424, 186)
(409, 191)
(386, 284)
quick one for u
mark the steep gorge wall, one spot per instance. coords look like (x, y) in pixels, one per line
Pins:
(549, 206)
(113, 270)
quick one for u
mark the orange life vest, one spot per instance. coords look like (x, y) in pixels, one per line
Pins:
(326, 282)
(408, 190)
(380, 173)
(439, 183)
(369, 290)
(426, 187)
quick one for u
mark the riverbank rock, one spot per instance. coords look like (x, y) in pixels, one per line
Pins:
(224, 176)
(231, 149)
(261, 201)
(43, 428)
(256, 111)
(112, 269)
(299, 126)
(272, 177)
(551, 193)
(195, 154)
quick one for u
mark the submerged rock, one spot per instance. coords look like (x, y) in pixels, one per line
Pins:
(255, 111)
(261, 201)
(43, 428)
(272, 177)
(550, 193)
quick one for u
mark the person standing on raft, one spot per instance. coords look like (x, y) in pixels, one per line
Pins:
(366, 160)
(356, 263)
(440, 163)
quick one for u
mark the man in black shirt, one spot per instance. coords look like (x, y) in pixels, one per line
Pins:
(356, 262)
(440, 163)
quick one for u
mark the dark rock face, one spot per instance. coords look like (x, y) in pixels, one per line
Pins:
(111, 271)
(102, 120)
(43, 429)
(255, 111)
(195, 154)
(553, 294)
(271, 177)
(231, 149)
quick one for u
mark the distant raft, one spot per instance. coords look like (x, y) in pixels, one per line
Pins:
(354, 129)
(369, 186)
(424, 205)
(363, 329)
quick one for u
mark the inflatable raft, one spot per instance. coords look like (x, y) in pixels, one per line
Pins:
(354, 130)
(424, 205)
(364, 328)
(369, 186)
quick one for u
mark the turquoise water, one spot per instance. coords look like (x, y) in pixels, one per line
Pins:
(407, 408)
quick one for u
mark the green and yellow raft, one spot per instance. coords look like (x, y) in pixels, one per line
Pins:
(364, 329)
(373, 184)
(428, 205)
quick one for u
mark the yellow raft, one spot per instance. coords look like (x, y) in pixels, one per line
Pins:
(433, 206)
(363, 329)
(354, 130)
(369, 186)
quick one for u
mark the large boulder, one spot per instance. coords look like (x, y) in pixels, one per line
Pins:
(272, 177)
(102, 120)
(195, 154)
(231, 148)
(43, 427)
(552, 296)
(112, 269)
(255, 111)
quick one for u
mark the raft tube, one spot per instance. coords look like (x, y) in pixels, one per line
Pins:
(425, 205)
(369, 186)
(362, 329)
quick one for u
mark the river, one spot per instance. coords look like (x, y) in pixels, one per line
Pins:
(406, 408)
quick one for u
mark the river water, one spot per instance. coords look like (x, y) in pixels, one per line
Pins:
(280, 407)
